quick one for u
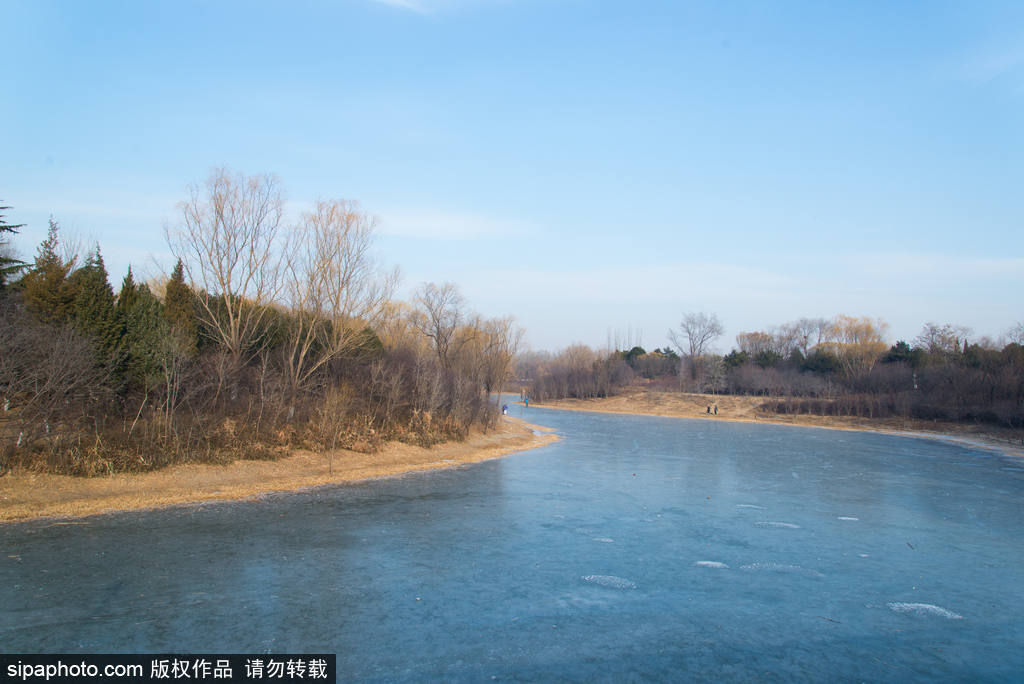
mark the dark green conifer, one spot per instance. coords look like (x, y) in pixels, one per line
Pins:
(145, 327)
(95, 313)
(9, 266)
(179, 307)
(128, 295)
(47, 293)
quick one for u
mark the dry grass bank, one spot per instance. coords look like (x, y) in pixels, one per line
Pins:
(28, 495)
(749, 409)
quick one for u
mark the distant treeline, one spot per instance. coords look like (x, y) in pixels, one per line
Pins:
(840, 366)
(265, 336)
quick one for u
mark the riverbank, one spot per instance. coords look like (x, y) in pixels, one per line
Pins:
(749, 410)
(29, 495)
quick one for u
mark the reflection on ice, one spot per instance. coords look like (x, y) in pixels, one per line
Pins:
(711, 564)
(609, 581)
(789, 526)
(781, 569)
(924, 609)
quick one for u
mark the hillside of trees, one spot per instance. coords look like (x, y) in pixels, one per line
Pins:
(842, 366)
(266, 336)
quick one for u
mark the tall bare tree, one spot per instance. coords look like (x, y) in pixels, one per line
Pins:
(859, 343)
(335, 285)
(504, 342)
(1015, 333)
(229, 241)
(441, 317)
(696, 335)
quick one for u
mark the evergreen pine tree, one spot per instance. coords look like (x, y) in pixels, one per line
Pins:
(9, 266)
(94, 306)
(128, 295)
(145, 326)
(179, 308)
(46, 291)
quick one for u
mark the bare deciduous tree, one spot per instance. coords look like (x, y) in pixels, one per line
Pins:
(503, 343)
(228, 239)
(942, 339)
(696, 335)
(336, 286)
(859, 343)
(1016, 333)
(441, 317)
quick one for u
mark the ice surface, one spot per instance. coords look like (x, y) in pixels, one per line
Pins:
(924, 609)
(609, 581)
(710, 564)
(780, 525)
(781, 569)
(604, 540)
(853, 519)
(498, 571)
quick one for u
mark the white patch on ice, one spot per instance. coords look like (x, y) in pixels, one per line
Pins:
(853, 519)
(924, 608)
(788, 526)
(609, 581)
(710, 564)
(863, 555)
(781, 569)
(606, 540)
(760, 508)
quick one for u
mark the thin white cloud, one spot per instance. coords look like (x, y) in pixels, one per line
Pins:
(432, 6)
(404, 4)
(449, 226)
(988, 64)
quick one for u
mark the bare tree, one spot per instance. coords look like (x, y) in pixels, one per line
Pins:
(228, 241)
(697, 333)
(48, 376)
(441, 317)
(335, 284)
(504, 343)
(859, 343)
(811, 332)
(942, 339)
(1015, 334)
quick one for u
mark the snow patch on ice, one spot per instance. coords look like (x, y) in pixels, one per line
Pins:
(924, 609)
(609, 581)
(606, 540)
(760, 508)
(710, 564)
(853, 519)
(788, 526)
(781, 569)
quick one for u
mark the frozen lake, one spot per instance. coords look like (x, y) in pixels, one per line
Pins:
(636, 549)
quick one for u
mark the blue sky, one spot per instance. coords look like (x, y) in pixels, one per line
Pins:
(583, 165)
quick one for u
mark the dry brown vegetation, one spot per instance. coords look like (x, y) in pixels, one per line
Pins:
(758, 409)
(34, 495)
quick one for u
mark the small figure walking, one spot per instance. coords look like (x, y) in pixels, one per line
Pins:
(504, 410)
(716, 409)
(527, 402)
(709, 409)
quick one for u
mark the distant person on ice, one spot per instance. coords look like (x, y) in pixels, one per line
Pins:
(504, 410)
